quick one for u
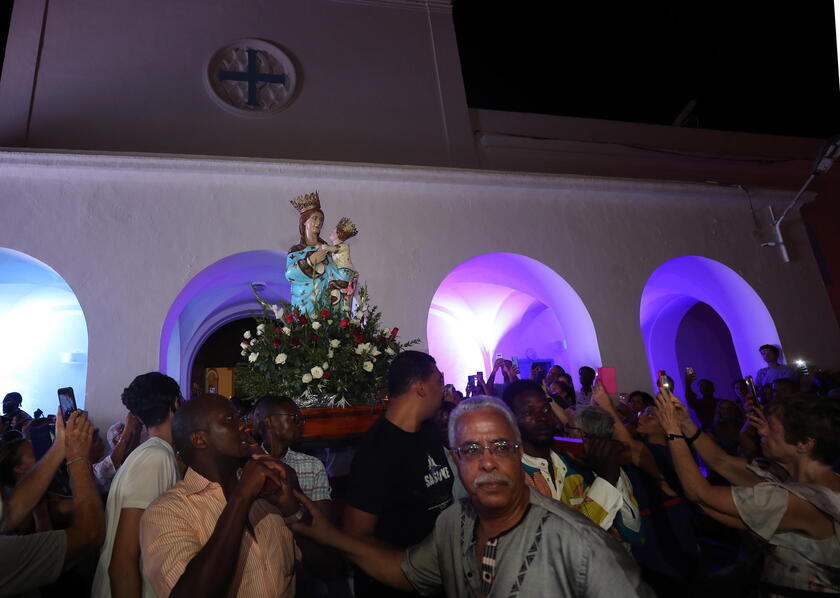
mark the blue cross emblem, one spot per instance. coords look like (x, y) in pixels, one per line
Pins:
(251, 77)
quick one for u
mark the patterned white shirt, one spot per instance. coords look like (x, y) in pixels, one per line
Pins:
(311, 474)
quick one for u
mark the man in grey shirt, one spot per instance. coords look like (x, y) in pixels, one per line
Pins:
(505, 539)
(29, 562)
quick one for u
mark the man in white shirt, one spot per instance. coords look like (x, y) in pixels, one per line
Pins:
(774, 369)
(148, 472)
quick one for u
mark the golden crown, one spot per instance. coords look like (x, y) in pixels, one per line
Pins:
(309, 201)
(346, 228)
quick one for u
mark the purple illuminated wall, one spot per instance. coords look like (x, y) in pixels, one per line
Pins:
(510, 304)
(219, 294)
(676, 287)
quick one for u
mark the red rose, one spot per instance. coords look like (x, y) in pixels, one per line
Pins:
(303, 320)
(394, 333)
(326, 376)
(290, 318)
(275, 342)
(358, 339)
(325, 313)
(296, 312)
(344, 323)
(278, 331)
(295, 342)
(313, 338)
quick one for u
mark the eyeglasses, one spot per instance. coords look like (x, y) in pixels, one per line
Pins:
(296, 417)
(472, 451)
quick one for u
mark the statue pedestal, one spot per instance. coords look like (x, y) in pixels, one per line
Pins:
(336, 423)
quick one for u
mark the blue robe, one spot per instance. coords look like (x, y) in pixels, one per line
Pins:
(310, 285)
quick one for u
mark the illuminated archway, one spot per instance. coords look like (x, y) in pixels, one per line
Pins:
(219, 294)
(679, 285)
(44, 343)
(510, 304)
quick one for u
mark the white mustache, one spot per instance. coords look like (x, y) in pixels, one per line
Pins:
(491, 478)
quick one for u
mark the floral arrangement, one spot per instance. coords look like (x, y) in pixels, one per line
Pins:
(331, 358)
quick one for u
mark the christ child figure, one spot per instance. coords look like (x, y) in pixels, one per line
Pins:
(341, 289)
(340, 250)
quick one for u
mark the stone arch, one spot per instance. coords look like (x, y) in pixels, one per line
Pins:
(44, 345)
(676, 287)
(219, 294)
(511, 304)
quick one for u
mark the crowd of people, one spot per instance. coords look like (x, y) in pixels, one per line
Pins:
(524, 487)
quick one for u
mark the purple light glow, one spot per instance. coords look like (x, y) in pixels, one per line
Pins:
(677, 286)
(510, 304)
(219, 294)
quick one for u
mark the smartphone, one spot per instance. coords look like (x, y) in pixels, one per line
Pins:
(470, 381)
(662, 381)
(498, 355)
(479, 376)
(606, 375)
(67, 401)
(748, 380)
(515, 361)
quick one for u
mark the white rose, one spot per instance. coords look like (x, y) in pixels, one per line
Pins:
(374, 351)
(367, 366)
(360, 349)
(278, 312)
(334, 343)
(390, 351)
(316, 325)
(260, 329)
(286, 330)
(307, 378)
(326, 365)
(253, 357)
(280, 359)
(244, 353)
(253, 342)
(330, 354)
(317, 372)
(247, 334)
(386, 331)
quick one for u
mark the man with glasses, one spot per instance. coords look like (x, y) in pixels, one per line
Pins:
(278, 425)
(505, 540)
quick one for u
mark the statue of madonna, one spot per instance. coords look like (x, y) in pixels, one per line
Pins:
(316, 280)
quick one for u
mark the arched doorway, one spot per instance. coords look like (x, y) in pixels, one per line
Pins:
(219, 294)
(510, 304)
(683, 304)
(44, 344)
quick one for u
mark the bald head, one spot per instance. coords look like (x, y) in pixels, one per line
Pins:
(194, 415)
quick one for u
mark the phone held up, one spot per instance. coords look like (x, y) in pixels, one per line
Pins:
(67, 401)
(662, 380)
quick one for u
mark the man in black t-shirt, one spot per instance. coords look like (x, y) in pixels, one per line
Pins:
(400, 480)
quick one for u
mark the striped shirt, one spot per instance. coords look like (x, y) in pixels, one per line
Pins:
(310, 473)
(178, 524)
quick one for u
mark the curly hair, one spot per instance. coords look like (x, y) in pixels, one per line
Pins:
(805, 417)
(151, 397)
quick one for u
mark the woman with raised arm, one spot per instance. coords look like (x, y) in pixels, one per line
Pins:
(795, 509)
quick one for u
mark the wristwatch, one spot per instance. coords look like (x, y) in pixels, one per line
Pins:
(296, 516)
(674, 436)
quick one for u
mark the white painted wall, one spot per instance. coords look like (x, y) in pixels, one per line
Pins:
(128, 232)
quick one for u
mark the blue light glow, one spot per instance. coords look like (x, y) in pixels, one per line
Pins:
(45, 341)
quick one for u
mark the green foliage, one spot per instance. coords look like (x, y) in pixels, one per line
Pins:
(324, 359)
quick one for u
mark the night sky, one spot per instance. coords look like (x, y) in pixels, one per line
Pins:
(750, 66)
